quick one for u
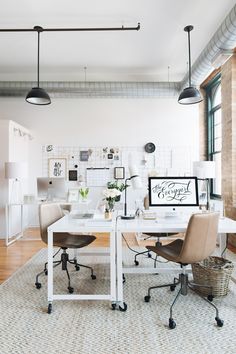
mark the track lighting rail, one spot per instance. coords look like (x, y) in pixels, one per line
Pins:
(85, 29)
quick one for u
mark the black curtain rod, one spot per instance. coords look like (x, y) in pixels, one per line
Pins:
(41, 29)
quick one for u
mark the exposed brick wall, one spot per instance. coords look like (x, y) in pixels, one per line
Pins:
(229, 139)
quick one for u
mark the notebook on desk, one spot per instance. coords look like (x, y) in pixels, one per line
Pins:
(82, 216)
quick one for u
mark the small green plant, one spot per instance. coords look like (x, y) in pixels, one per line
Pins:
(84, 193)
(116, 185)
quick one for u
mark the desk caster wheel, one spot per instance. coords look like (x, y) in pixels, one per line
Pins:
(70, 289)
(50, 308)
(113, 306)
(124, 308)
(38, 285)
(219, 322)
(210, 298)
(77, 267)
(172, 288)
(93, 277)
(172, 323)
(136, 263)
(147, 298)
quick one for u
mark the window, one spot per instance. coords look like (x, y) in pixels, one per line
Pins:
(213, 91)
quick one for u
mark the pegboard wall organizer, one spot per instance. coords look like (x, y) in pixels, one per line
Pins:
(166, 160)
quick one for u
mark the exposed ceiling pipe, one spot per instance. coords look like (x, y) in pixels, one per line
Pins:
(94, 89)
(223, 39)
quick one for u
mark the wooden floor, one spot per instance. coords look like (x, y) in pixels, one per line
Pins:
(17, 254)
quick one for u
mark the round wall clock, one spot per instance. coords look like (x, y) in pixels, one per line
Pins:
(150, 147)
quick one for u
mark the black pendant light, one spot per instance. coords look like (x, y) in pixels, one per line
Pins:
(38, 95)
(189, 95)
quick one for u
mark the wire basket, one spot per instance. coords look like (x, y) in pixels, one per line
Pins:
(214, 272)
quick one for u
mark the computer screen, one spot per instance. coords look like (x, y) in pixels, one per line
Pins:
(51, 188)
(173, 191)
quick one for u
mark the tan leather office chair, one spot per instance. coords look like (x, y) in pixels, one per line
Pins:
(198, 244)
(48, 214)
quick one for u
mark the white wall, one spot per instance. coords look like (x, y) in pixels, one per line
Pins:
(102, 122)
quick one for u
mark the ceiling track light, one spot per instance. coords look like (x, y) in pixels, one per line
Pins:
(189, 95)
(37, 95)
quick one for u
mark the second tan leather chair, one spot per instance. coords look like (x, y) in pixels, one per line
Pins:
(198, 244)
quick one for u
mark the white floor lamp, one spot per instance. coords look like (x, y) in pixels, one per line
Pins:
(204, 170)
(16, 171)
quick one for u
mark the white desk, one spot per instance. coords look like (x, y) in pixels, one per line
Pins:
(165, 225)
(68, 224)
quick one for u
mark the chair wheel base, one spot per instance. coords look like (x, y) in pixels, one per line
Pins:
(70, 289)
(219, 322)
(172, 323)
(149, 255)
(147, 298)
(210, 297)
(38, 285)
(136, 263)
(172, 287)
(77, 267)
(93, 277)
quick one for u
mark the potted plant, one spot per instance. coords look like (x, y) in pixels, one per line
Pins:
(120, 186)
(110, 195)
(84, 193)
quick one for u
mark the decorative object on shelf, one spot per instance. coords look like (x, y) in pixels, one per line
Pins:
(38, 95)
(136, 182)
(73, 195)
(190, 94)
(119, 172)
(84, 155)
(73, 175)
(16, 171)
(110, 195)
(204, 170)
(57, 167)
(84, 191)
(49, 148)
(150, 147)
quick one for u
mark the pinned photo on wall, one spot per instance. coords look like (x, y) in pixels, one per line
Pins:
(57, 167)
(73, 175)
(119, 172)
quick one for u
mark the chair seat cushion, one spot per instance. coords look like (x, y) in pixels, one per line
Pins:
(170, 251)
(67, 240)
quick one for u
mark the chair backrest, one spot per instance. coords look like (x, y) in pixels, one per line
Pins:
(48, 214)
(200, 238)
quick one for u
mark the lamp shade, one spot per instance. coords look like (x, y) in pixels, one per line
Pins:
(15, 170)
(136, 181)
(190, 95)
(38, 96)
(204, 169)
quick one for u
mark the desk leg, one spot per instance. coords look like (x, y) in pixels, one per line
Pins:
(223, 243)
(50, 270)
(119, 273)
(113, 266)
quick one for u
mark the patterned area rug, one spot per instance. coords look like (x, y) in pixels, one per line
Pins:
(79, 327)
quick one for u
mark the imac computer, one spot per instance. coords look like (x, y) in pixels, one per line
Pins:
(51, 188)
(171, 196)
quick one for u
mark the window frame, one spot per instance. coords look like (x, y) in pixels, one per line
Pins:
(211, 89)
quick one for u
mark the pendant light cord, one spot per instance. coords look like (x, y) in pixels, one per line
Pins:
(189, 60)
(38, 59)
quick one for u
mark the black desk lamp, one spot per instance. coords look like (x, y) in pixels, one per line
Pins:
(125, 216)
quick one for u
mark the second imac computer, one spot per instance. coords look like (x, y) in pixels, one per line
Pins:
(172, 195)
(51, 189)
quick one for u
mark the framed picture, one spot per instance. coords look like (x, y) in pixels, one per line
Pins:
(73, 175)
(119, 172)
(73, 195)
(84, 155)
(57, 167)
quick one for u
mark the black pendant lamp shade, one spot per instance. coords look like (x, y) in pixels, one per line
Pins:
(38, 95)
(189, 95)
